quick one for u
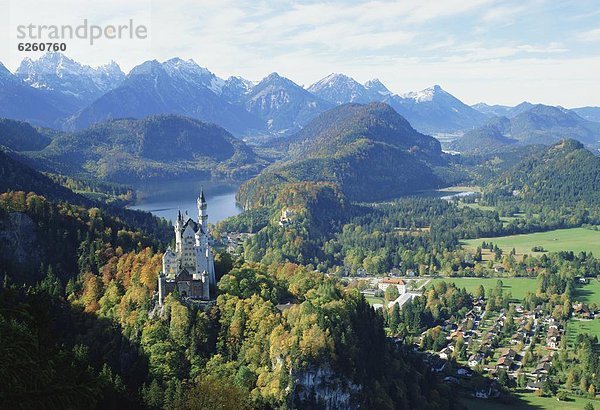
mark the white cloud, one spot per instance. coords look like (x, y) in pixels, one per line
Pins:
(502, 13)
(407, 44)
(590, 35)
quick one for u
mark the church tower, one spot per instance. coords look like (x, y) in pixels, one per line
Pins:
(202, 215)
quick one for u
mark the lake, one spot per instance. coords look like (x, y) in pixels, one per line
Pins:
(165, 199)
(447, 194)
(457, 195)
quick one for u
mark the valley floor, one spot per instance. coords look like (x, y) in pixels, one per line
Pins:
(531, 401)
(573, 239)
(517, 286)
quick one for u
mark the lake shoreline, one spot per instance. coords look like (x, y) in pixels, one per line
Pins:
(166, 198)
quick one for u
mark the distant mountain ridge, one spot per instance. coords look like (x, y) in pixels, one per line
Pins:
(173, 87)
(131, 150)
(58, 92)
(434, 110)
(20, 101)
(282, 104)
(341, 89)
(541, 124)
(503, 110)
(589, 113)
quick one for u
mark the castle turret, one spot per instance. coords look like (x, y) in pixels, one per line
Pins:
(178, 232)
(202, 215)
(169, 262)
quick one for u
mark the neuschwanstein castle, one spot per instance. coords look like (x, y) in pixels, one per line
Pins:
(190, 268)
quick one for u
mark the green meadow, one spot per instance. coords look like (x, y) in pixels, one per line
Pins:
(575, 327)
(573, 239)
(587, 294)
(517, 286)
(531, 401)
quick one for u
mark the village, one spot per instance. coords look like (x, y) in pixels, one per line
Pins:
(485, 350)
(510, 347)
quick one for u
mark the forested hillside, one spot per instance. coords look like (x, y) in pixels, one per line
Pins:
(16, 176)
(240, 352)
(564, 174)
(21, 136)
(368, 151)
(154, 148)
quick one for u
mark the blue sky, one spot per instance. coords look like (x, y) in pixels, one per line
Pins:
(494, 51)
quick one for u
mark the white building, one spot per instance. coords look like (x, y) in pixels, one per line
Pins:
(190, 268)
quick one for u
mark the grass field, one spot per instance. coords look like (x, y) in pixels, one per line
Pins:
(531, 401)
(373, 300)
(575, 327)
(586, 294)
(517, 286)
(478, 206)
(574, 239)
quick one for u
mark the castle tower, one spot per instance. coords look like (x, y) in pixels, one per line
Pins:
(202, 215)
(178, 232)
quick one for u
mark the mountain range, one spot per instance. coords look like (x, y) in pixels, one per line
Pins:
(540, 124)
(79, 84)
(503, 110)
(20, 101)
(57, 92)
(434, 110)
(173, 87)
(588, 113)
(341, 89)
(283, 105)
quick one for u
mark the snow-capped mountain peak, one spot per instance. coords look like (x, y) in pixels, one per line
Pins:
(333, 80)
(57, 72)
(376, 87)
(339, 89)
(425, 95)
(236, 87)
(242, 82)
(282, 104)
(191, 72)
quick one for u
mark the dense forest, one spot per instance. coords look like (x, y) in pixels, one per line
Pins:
(565, 174)
(277, 334)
